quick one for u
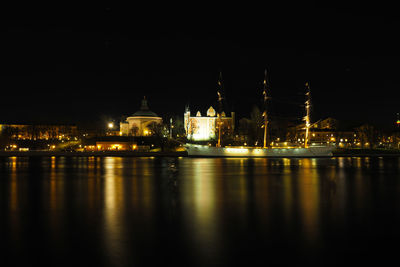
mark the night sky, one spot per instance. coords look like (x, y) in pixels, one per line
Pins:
(86, 64)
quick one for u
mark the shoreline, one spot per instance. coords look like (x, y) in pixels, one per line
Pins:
(91, 154)
(155, 154)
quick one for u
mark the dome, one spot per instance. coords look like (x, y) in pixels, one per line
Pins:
(144, 113)
(211, 112)
(144, 110)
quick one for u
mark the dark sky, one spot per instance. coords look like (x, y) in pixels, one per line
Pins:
(84, 64)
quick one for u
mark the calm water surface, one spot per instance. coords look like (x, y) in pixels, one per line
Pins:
(90, 211)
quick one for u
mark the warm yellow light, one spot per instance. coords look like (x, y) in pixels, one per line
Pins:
(237, 150)
(146, 132)
(110, 125)
(115, 147)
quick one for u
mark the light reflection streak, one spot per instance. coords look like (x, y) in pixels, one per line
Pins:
(15, 223)
(114, 208)
(201, 204)
(13, 185)
(309, 199)
(56, 199)
(221, 200)
(288, 199)
(262, 193)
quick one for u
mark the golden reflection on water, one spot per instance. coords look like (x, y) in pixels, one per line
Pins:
(55, 186)
(200, 205)
(113, 199)
(218, 198)
(204, 195)
(13, 185)
(262, 194)
(242, 191)
(14, 219)
(309, 198)
(288, 199)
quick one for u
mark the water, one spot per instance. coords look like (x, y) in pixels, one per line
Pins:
(89, 211)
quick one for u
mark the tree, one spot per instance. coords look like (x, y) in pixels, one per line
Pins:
(159, 132)
(367, 134)
(179, 128)
(5, 136)
(257, 122)
(191, 128)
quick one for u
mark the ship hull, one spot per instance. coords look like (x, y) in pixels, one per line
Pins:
(207, 151)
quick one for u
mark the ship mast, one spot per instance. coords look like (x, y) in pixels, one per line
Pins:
(219, 114)
(265, 114)
(307, 117)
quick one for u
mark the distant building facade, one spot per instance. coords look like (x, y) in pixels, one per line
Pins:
(203, 128)
(325, 132)
(109, 143)
(139, 124)
(38, 132)
(115, 146)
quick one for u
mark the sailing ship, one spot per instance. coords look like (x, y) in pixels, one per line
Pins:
(265, 151)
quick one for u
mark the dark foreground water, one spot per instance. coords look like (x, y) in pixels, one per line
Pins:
(198, 212)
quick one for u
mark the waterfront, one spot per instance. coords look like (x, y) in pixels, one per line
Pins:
(112, 211)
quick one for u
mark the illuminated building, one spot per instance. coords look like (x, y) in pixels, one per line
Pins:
(202, 128)
(113, 145)
(38, 132)
(325, 132)
(139, 124)
(106, 143)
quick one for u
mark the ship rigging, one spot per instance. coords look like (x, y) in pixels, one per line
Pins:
(307, 117)
(265, 114)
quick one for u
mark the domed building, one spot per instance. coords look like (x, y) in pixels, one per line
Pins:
(138, 124)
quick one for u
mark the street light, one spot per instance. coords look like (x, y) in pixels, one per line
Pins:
(110, 127)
